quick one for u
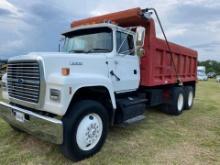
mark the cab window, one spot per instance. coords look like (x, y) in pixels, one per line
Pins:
(125, 43)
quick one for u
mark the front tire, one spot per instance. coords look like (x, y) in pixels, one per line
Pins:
(85, 130)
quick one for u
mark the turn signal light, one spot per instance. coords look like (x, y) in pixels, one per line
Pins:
(65, 71)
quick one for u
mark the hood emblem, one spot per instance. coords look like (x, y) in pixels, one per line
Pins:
(20, 81)
(76, 63)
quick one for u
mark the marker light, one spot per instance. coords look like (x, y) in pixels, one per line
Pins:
(65, 71)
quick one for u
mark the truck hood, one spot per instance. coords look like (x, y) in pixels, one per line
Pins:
(52, 55)
(81, 63)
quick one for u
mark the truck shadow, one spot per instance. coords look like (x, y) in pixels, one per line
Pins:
(123, 135)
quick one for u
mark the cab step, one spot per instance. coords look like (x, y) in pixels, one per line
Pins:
(130, 109)
(135, 119)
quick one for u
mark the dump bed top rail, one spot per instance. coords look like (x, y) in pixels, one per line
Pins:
(122, 18)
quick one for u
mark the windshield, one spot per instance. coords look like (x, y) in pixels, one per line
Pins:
(95, 40)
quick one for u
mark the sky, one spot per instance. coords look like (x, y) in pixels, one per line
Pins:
(36, 25)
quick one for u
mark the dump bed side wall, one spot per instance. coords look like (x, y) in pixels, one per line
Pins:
(157, 67)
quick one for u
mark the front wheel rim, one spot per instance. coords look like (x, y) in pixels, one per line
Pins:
(89, 132)
(180, 102)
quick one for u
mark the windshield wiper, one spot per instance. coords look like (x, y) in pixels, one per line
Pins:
(90, 51)
(77, 51)
(98, 49)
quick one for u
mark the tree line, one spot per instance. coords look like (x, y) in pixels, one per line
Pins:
(211, 66)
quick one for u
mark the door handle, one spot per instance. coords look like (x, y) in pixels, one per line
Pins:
(135, 71)
(113, 74)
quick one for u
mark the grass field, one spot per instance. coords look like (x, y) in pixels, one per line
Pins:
(192, 138)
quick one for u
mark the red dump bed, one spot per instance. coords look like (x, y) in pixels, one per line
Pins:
(157, 68)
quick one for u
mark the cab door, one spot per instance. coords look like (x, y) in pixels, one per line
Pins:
(125, 72)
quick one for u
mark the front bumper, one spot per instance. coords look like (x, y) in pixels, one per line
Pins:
(43, 127)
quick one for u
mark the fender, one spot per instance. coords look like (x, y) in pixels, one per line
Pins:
(69, 85)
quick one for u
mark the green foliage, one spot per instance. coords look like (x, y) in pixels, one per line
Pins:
(211, 66)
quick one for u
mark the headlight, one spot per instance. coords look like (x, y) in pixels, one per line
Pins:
(55, 94)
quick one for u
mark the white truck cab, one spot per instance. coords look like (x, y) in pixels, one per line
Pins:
(62, 95)
(116, 45)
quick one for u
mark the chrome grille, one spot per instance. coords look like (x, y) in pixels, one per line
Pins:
(24, 81)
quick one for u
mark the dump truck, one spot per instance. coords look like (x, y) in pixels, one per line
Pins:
(110, 70)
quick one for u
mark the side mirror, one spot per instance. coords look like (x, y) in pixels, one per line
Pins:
(140, 36)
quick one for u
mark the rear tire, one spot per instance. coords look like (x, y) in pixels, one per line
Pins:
(85, 130)
(189, 97)
(175, 105)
